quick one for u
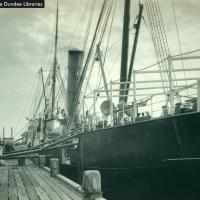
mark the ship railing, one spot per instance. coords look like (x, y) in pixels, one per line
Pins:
(149, 104)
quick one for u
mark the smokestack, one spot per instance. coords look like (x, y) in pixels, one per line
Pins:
(3, 133)
(11, 131)
(74, 72)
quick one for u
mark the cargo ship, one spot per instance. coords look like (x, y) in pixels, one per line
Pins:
(143, 137)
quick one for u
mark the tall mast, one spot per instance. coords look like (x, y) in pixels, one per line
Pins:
(125, 44)
(54, 65)
(135, 42)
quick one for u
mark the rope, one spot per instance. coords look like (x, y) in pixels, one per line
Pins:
(186, 53)
(106, 21)
(41, 97)
(80, 83)
(178, 37)
(25, 106)
(160, 40)
(154, 35)
(35, 100)
(20, 131)
(78, 18)
(89, 24)
(109, 34)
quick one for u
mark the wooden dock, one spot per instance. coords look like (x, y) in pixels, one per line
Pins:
(33, 183)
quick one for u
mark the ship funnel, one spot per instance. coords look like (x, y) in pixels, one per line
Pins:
(75, 58)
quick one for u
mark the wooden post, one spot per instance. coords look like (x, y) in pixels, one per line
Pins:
(1, 153)
(54, 166)
(21, 161)
(42, 161)
(91, 185)
(35, 161)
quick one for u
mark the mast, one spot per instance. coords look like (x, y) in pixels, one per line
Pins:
(54, 65)
(125, 42)
(45, 108)
(43, 85)
(137, 27)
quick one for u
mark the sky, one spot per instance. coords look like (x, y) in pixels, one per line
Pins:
(27, 40)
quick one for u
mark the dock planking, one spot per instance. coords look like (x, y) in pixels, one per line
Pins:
(32, 183)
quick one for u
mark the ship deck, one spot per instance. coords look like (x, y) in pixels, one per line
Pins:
(31, 183)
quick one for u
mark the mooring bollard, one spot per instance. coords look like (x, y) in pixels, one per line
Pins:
(91, 185)
(42, 161)
(1, 153)
(54, 166)
(21, 161)
(35, 161)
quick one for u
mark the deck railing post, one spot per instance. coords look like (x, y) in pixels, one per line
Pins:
(1, 153)
(123, 115)
(94, 111)
(111, 106)
(35, 161)
(21, 161)
(84, 119)
(42, 161)
(91, 185)
(134, 96)
(54, 166)
(171, 94)
(198, 95)
(151, 106)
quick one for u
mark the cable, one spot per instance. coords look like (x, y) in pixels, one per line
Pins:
(186, 53)
(178, 37)
(80, 83)
(89, 24)
(109, 34)
(20, 131)
(25, 106)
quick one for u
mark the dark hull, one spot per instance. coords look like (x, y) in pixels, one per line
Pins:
(133, 158)
(142, 144)
(175, 181)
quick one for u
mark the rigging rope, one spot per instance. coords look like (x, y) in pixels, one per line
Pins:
(41, 97)
(108, 40)
(78, 18)
(80, 83)
(160, 42)
(155, 31)
(20, 131)
(106, 21)
(25, 106)
(89, 25)
(36, 95)
(186, 53)
(179, 41)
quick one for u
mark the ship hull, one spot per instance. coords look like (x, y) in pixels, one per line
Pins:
(152, 157)
(177, 180)
(141, 144)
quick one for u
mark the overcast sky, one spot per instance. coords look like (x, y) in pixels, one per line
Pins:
(27, 36)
